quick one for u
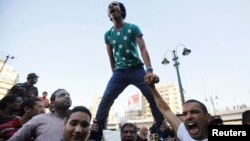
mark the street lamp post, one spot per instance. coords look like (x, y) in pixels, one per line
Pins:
(176, 65)
(5, 61)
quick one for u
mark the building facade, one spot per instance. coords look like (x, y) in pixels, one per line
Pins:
(113, 118)
(8, 77)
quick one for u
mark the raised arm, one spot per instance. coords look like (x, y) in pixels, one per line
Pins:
(164, 108)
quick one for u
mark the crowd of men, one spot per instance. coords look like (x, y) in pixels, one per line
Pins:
(23, 118)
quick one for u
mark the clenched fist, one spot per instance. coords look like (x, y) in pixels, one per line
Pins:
(151, 78)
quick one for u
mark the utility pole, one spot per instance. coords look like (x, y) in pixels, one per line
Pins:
(5, 61)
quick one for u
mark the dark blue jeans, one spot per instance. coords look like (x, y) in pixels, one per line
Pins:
(117, 83)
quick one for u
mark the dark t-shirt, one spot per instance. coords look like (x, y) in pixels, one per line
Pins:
(5, 119)
(140, 139)
(24, 90)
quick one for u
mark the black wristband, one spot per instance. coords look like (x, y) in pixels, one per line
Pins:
(149, 69)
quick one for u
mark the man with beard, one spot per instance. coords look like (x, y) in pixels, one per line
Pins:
(47, 127)
(128, 132)
(195, 117)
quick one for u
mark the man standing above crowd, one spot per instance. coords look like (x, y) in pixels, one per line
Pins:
(126, 65)
(26, 89)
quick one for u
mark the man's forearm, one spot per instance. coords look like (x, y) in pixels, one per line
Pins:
(161, 104)
(165, 109)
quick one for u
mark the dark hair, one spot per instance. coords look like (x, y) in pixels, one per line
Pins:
(153, 129)
(10, 98)
(32, 75)
(203, 107)
(53, 96)
(122, 7)
(246, 117)
(30, 102)
(129, 125)
(216, 120)
(169, 132)
(79, 109)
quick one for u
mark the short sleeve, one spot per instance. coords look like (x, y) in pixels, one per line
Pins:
(137, 31)
(107, 37)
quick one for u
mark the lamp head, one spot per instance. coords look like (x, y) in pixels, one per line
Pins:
(165, 61)
(186, 51)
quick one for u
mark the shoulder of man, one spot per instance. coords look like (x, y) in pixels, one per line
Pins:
(17, 86)
(134, 29)
(107, 33)
(41, 119)
(131, 25)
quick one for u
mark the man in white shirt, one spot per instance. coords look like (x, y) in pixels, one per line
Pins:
(195, 117)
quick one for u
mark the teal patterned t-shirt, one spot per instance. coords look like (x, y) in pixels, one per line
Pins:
(124, 46)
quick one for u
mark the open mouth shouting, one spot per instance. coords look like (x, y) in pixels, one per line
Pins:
(114, 10)
(193, 128)
(111, 11)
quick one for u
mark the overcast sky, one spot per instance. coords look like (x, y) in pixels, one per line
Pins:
(63, 42)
